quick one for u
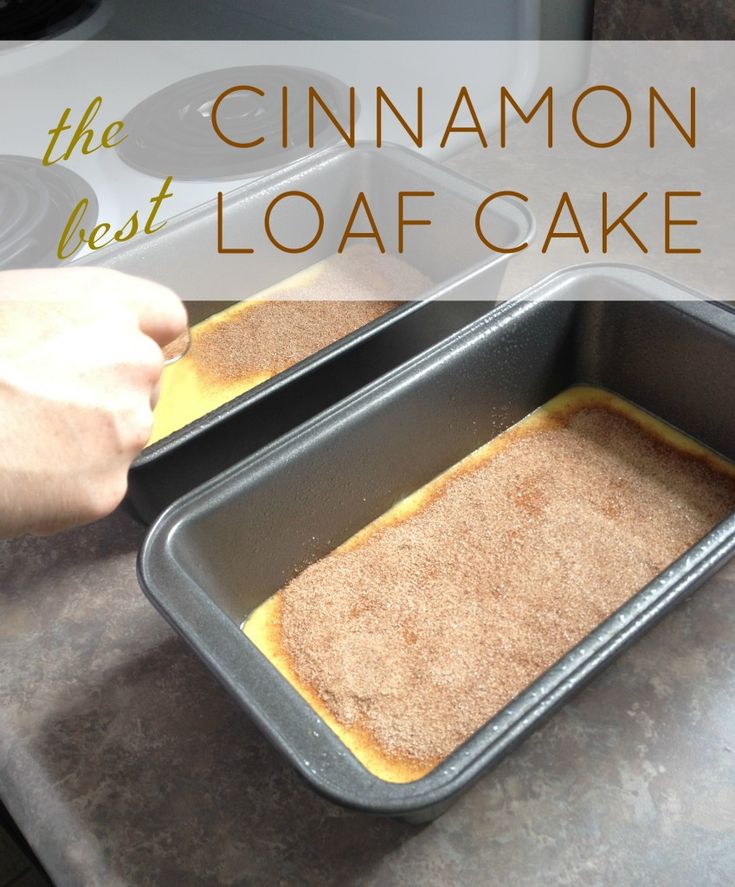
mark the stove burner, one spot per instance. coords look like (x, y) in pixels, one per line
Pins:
(171, 133)
(24, 20)
(35, 204)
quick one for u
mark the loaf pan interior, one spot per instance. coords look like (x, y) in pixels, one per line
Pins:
(218, 554)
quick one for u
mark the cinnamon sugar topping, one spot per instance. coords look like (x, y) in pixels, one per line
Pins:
(277, 331)
(425, 626)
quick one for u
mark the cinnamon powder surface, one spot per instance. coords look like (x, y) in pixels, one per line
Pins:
(243, 346)
(411, 635)
(304, 314)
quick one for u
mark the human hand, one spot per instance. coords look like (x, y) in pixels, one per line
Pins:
(80, 363)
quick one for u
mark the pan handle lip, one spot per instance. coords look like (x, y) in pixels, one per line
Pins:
(646, 280)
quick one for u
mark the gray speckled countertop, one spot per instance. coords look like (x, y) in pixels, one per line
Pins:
(125, 763)
(664, 19)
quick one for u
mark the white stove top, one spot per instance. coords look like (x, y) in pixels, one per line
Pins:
(46, 77)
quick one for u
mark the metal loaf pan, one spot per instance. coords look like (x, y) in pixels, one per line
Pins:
(184, 256)
(218, 553)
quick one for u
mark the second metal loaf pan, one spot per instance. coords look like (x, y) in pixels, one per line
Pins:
(218, 553)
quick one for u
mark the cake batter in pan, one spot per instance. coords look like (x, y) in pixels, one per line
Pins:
(466, 276)
(215, 555)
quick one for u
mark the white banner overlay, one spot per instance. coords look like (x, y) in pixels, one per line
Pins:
(363, 170)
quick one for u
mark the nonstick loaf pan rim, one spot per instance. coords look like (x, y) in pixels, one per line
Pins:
(508, 727)
(448, 288)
